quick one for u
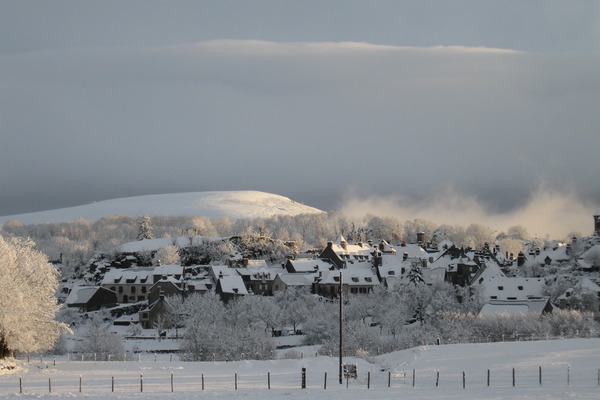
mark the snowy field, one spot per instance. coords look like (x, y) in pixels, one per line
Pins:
(569, 369)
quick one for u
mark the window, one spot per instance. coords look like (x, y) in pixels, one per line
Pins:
(500, 287)
(145, 315)
(114, 289)
(520, 287)
(336, 278)
(353, 290)
(120, 289)
(480, 280)
(368, 279)
(143, 289)
(493, 297)
(391, 273)
(354, 279)
(133, 289)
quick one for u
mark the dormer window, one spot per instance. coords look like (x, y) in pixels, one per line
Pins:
(336, 278)
(500, 287)
(391, 272)
(520, 287)
(368, 279)
(354, 279)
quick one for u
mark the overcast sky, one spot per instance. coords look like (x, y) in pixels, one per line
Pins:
(331, 103)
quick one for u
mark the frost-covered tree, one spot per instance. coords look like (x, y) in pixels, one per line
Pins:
(168, 255)
(28, 303)
(144, 231)
(97, 342)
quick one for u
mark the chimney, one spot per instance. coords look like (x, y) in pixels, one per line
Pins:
(404, 256)
(521, 259)
(421, 237)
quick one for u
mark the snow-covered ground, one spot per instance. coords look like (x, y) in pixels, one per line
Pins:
(570, 369)
(233, 204)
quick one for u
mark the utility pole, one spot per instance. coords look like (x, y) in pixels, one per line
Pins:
(341, 326)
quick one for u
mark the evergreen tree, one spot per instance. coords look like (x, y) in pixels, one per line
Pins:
(144, 231)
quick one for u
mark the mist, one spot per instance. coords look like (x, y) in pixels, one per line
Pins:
(545, 213)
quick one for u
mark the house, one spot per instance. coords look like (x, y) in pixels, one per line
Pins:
(91, 298)
(151, 315)
(532, 306)
(305, 265)
(167, 286)
(230, 286)
(257, 277)
(160, 271)
(131, 285)
(284, 280)
(493, 283)
(357, 279)
(340, 252)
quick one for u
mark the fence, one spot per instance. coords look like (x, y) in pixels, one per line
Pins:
(100, 377)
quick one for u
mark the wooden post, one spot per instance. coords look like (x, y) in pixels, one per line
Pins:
(568, 375)
(513, 376)
(540, 374)
(80, 379)
(464, 380)
(269, 380)
(303, 375)
(413, 383)
(340, 290)
(325, 380)
(141, 382)
(389, 378)
(369, 380)
(49, 385)
(488, 377)
(202, 381)
(235, 378)
(171, 382)
(437, 378)
(21, 383)
(112, 384)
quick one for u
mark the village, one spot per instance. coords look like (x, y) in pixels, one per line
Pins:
(530, 282)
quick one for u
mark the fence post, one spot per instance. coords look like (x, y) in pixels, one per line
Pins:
(54, 362)
(112, 384)
(80, 379)
(464, 380)
(141, 383)
(171, 382)
(369, 380)
(437, 378)
(540, 374)
(303, 385)
(49, 385)
(21, 383)
(389, 378)
(268, 379)
(513, 377)
(235, 379)
(413, 383)
(202, 381)
(325, 380)
(568, 375)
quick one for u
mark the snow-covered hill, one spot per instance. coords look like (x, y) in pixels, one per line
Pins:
(232, 204)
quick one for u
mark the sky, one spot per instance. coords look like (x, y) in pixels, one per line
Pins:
(431, 109)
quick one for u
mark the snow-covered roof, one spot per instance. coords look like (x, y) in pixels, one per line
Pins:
(81, 294)
(232, 284)
(129, 276)
(297, 279)
(496, 285)
(168, 270)
(309, 264)
(524, 306)
(351, 276)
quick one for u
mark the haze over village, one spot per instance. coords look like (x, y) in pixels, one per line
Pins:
(372, 187)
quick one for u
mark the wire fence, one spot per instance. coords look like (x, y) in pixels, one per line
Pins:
(219, 376)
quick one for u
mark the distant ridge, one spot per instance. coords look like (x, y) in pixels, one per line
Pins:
(233, 204)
